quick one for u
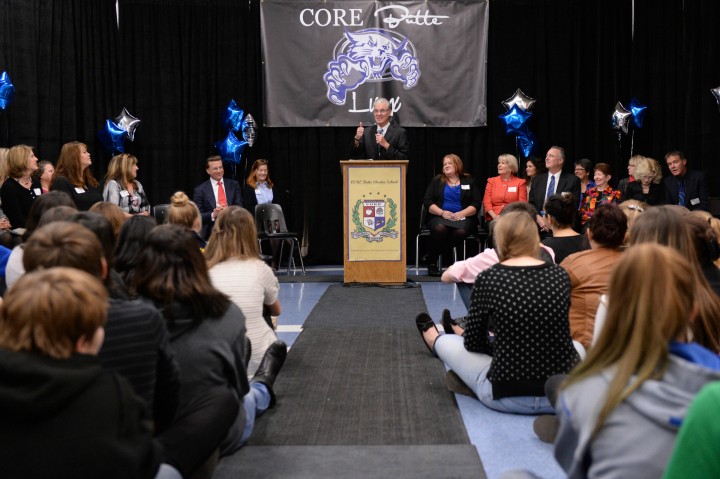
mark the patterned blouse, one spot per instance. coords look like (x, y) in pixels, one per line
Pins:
(594, 198)
(132, 203)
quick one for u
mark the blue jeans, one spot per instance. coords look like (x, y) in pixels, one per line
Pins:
(472, 368)
(255, 402)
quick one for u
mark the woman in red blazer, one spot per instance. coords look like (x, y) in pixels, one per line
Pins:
(503, 189)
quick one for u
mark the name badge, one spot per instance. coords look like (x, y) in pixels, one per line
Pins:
(464, 187)
(37, 191)
(512, 189)
(79, 190)
(124, 193)
(695, 201)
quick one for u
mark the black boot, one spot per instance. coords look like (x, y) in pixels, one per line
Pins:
(270, 366)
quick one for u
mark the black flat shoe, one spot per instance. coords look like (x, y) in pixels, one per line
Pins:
(447, 322)
(423, 321)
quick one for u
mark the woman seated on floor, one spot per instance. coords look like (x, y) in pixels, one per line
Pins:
(236, 269)
(620, 409)
(207, 331)
(517, 333)
(560, 213)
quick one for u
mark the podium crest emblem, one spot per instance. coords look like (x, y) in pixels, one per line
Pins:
(379, 217)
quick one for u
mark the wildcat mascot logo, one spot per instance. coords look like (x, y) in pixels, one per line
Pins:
(370, 55)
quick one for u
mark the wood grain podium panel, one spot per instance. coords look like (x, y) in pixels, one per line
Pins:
(374, 226)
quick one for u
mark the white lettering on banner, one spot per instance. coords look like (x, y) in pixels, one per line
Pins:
(422, 19)
(324, 17)
(395, 104)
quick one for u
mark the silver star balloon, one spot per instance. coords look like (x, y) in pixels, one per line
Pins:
(521, 100)
(621, 118)
(716, 93)
(248, 129)
(127, 122)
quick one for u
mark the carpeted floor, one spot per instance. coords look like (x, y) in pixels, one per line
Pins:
(359, 375)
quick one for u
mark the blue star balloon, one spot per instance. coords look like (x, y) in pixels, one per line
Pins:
(232, 118)
(526, 140)
(127, 122)
(231, 148)
(514, 119)
(112, 137)
(7, 90)
(248, 129)
(638, 112)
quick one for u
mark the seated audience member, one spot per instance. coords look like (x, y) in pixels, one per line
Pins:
(59, 404)
(589, 270)
(706, 248)
(207, 330)
(599, 194)
(508, 373)
(503, 189)
(648, 186)
(215, 194)
(713, 222)
(136, 340)
(632, 209)
(560, 214)
(44, 175)
(20, 190)
(464, 273)
(131, 242)
(260, 190)
(452, 201)
(122, 187)
(684, 187)
(534, 166)
(696, 449)
(666, 225)
(3, 164)
(74, 177)
(236, 270)
(185, 213)
(44, 203)
(583, 167)
(620, 409)
(102, 228)
(552, 182)
(623, 184)
(112, 213)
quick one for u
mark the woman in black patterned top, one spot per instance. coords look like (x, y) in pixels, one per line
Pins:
(517, 332)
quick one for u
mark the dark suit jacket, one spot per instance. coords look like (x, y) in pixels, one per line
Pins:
(656, 195)
(395, 135)
(697, 191)
(204, 198)
(568, 182)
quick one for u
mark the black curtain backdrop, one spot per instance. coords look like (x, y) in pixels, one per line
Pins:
(176, 65)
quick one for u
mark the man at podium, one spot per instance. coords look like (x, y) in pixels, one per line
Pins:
(381, 141)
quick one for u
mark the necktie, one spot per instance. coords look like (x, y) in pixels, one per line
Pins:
(681, 192)
(379, 132)
(222, 199)
(551, 187)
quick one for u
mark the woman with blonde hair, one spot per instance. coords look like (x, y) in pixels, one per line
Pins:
(620, 409)
(503, 189)
(522, 302)
(18, 193)
(122, 187)
(648, 186)
(74, 177)
(632, 163)
(185, 213)
(235, 267)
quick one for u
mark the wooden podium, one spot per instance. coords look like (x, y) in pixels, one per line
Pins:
(374, 221)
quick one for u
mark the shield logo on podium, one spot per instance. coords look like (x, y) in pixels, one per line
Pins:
(373, 214)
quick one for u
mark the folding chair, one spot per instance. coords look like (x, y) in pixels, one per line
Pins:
(270, 224)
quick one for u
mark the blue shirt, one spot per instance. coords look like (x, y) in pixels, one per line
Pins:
(451, 199)
(263, 193)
